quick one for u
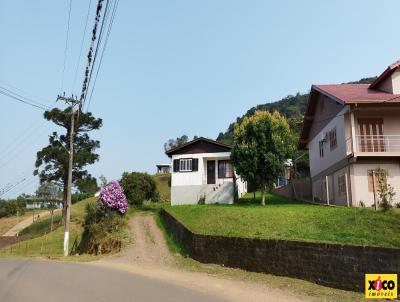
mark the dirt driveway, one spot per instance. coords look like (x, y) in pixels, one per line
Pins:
(149, 256)
(24, 224)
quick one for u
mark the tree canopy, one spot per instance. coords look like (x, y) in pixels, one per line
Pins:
(261, 144)
(52, 161)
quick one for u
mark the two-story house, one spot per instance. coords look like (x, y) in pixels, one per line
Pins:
(352, 132)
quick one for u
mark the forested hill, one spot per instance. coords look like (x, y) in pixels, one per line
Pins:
(292, 106)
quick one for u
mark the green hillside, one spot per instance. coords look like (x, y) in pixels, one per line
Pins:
(292, 106)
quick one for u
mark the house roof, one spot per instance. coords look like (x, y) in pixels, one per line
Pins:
(200, 145)
(347, 94)
(384, 75)
(355, 93)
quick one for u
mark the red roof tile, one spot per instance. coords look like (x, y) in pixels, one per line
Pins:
(355, 93)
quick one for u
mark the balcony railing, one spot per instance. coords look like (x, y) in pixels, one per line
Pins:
(378, 143)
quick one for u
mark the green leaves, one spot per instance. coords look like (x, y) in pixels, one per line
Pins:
(261, 144)
(52, 160)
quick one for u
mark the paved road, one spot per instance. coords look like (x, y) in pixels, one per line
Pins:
(48, 281)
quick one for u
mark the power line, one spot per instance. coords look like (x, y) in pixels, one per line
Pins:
(114, 10)
(66, 45)
(92, 57)
(80, 51)
(22, 137)
(39, 106)
(22, 97)
(31, 96)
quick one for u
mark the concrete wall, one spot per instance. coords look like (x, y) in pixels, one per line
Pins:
(360, 180)
(296, 188)
(334, 265)
(221, 193)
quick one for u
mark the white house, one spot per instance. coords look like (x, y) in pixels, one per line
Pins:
(202, 172)
(352, 132)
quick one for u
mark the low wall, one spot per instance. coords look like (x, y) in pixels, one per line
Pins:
(333, 265)
(296, 188)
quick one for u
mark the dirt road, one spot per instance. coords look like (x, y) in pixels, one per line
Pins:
(23, 224)
(149, 256)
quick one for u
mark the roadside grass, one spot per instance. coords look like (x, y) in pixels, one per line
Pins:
(43, 243)
(283, 218)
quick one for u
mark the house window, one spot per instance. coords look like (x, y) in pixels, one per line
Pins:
(332, 139)
(342, 184)
(321, 149)
(225, 169)
(185, 164)
(380, 178)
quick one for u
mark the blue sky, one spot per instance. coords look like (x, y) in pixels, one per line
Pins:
(178, 67)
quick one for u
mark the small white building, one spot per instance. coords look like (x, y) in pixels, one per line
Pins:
(163, 168)
(202, 173)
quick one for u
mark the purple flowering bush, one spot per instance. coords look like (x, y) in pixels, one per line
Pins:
(103, 228)
(112, 196)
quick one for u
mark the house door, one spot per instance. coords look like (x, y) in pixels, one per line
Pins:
(371, 135)
(211, 172)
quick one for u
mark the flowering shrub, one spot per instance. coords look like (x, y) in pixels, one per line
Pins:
(112, 196)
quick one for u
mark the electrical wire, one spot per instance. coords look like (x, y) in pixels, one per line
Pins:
(66, 46)
(27, 102)
(114, 10)
(80, 51)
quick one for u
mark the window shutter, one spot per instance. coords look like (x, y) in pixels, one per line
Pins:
(195, 164)
(176, 165)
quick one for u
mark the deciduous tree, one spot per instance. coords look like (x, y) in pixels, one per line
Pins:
(262, 142)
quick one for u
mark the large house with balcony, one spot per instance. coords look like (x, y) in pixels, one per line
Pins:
(202, 173)
(352, 132)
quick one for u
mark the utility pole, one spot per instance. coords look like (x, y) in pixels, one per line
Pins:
(72, 102)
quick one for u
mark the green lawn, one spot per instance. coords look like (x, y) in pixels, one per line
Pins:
(283, 218)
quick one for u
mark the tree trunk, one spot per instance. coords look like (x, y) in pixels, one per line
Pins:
(263, 193)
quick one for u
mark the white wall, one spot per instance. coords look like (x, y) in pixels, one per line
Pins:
(360, 181)
(196, 177)
(317, 163)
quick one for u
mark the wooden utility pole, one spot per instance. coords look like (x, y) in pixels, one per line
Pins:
(72, 102)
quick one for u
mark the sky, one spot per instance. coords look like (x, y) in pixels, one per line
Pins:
(176, 67)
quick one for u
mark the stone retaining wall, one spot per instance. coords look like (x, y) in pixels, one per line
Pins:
(333, 265)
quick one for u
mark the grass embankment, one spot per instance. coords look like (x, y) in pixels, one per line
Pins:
(46, 243)
(6, 223)
(162, 182)
(283, 218)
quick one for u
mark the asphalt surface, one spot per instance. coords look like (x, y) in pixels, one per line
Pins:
(50, 281)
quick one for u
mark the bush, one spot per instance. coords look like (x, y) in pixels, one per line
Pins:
(76, 197)
(112, 196)
(139, 187)
(12, 207)
(101, 227)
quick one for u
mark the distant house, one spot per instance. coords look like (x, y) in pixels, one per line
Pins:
(352, 132)
(202, 172)
(163, 168)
